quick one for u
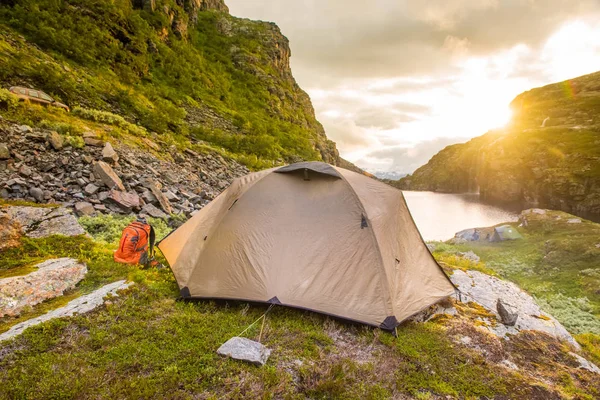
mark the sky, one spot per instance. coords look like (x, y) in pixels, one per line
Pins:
(395, 81)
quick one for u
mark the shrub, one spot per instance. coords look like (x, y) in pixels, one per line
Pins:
(110, 119)
(8, 100)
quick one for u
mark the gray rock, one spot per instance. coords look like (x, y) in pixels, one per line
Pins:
(107, 175)
(155, 188)
(4, 152)
(486, 290)
(89, 141)
(244, 349)
(56, 141)
(80, 305)
(507, 318)
(574, 221)
(51, 279)
(84, 208)
(37, 194)
(585, 364)
(25, 170)
(109, 154)
(91, 189)
(469, 255)
(153, 211)
(25, 129)
(124, 200)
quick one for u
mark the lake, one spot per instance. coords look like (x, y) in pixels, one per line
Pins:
(440, 215)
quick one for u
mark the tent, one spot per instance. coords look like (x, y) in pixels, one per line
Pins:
(312, 236)
(505, 232)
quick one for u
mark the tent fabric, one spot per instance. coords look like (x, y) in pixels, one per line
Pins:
(505, 232)
(342, 245)
(318, 167)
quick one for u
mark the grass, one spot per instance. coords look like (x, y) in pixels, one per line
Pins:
(148, 344)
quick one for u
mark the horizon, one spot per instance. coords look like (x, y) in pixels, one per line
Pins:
(396, 83)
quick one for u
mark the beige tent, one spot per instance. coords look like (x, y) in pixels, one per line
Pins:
(312, 236)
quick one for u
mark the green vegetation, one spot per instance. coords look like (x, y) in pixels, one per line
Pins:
(146, 343)
(557, 262)
(137, 70)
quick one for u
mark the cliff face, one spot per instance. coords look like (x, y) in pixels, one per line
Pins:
(185, 67)
(549, 155)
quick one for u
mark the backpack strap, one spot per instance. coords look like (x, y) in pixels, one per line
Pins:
(152, 239)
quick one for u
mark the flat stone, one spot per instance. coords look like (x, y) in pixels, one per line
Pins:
(125, 200)
(37, 222)
(56, 141)
(4, 152)
(486, 290)
(574, 221)
(153, 211)
(84, 208)
(80, 305)
(109, 154)
(91, 189)
(244, 349)
(155, 188)
(93, 142)
(107, 175)
(469, 255)
(52, 279)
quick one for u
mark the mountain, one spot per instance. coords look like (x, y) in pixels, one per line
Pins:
(391, 175)
(548, 156)
(182, 69)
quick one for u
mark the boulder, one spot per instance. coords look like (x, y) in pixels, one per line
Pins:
(585, 364)
(39, 222)
(124, 200)
(37, 194)
(155, 188)
(90, 141)
(91, 189)
(55, 140)
(107, 175)
(84, 208)
(109, 154)
(243, 349)
(486, 290)
(51, 279)
(153, 211)
(469, 255)
(4, 152)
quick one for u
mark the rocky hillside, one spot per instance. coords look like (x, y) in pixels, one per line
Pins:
(177, 68)
(548, 156)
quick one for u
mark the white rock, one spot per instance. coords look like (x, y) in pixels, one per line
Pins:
(486, 290)
(244, 349)
(574, 221)
(51, 279)
(585, 364)
(80, 305)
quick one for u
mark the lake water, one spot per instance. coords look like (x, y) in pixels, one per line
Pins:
(440, 215)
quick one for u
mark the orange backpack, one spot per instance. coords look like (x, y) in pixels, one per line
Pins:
(137, 244)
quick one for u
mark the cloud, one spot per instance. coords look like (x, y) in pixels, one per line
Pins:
(406, 159)
(336, 40)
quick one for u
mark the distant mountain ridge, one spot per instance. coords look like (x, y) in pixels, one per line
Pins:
(548, 156)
